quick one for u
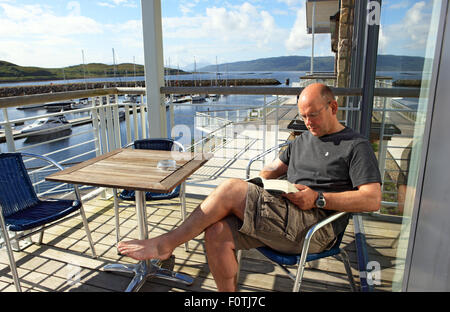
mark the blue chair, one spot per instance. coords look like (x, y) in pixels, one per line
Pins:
(153, 144)
(282, 259)
(24, 213)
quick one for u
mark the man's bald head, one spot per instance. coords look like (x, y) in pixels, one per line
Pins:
(318, 107)
(318, 91)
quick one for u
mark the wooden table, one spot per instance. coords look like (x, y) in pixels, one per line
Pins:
(136, 169)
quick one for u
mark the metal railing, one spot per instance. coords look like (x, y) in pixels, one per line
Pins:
(106, 132)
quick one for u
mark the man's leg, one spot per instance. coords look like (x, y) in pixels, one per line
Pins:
(228, 198)
(222, 261)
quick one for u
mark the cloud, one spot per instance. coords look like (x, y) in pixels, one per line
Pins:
(291, 3)
(243, 23)
(74, 7)
(231, 32)
(39, 35)
(298, 38)
(400, 5)
(411, 33)
(117, 3)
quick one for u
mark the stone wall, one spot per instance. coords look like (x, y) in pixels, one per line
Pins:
(344, 55)
(53, 88)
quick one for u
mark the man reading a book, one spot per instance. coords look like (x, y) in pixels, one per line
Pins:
(333, 169)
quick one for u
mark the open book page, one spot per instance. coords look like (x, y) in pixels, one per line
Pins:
(274, 185)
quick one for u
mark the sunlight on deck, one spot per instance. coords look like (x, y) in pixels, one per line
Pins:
(63, 262)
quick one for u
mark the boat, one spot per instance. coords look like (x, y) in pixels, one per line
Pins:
(131, 98)
(31, 106)
(47, 125)
(198, 98)
(214, 97)
(58, 106)
(82, 103)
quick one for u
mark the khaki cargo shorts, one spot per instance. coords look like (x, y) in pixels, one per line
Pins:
(274, 221)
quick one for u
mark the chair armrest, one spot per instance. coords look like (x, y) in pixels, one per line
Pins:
(180, 146)
(250, 162)
(57, 165)
(322, 223)
(53, 162)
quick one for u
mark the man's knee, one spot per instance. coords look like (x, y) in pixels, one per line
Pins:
(233, 188)
(218, 232)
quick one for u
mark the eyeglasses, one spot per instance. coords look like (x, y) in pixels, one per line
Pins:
(315, 114)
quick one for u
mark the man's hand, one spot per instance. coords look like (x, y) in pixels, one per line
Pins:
(304, 199)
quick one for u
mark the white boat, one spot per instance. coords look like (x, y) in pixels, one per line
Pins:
(47, 125)
(82, 103)
(214, 97)
(198, 98)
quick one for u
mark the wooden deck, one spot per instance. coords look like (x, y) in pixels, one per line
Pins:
(63, 263)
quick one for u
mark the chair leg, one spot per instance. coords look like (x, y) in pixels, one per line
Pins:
(12, 261)
(348, 269)
(238, 259)
(183, 209)
(41, 237)
(88, 232)
(116, 215)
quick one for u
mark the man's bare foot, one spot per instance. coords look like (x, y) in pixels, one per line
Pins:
(144, 249)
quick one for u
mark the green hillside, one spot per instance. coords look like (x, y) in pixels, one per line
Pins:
(14, 73)
(321, 63)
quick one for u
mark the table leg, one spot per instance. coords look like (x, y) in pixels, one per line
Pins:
(146, 269)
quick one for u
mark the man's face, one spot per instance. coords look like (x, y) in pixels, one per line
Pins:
(316, 113)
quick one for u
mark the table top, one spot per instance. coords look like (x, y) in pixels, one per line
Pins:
(133, 169)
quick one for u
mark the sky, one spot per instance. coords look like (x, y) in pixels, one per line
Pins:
(57, 33)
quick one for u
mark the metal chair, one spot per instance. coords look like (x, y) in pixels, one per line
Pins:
(24, 213)
(153, 144)
(282, 259)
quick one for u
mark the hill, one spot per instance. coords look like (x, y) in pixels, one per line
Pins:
(321, 63)
(10, 72)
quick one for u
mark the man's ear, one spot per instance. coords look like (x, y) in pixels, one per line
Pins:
(334, 107)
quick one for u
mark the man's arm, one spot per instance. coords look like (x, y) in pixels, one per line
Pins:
(274, 170)
(366, 199)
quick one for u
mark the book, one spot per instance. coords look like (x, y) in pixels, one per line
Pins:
(274, 185)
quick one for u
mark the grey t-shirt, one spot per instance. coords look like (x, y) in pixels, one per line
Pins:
(331, 163)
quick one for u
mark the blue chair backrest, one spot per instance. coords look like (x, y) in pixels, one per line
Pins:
(154, 144)
(16, 190)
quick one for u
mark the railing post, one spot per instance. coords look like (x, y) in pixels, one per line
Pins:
(135, 122)
(264, 128)
(109, 125)
(171, 112)
(128, 123)
(94, 117)
(103, 141)
(276, 121)
(9, 133)
(143, 124)
(118, 143)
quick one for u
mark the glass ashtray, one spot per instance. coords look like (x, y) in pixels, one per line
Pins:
(167, 164)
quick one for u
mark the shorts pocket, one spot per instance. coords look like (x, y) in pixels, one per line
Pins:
(273, 217)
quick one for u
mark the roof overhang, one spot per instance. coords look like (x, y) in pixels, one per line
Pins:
(323, 11)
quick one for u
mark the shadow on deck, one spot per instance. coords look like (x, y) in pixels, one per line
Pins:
(63, 262)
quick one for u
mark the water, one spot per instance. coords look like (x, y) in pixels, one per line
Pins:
(183, 115)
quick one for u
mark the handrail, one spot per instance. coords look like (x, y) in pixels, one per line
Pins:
(69, 95)
(385, 92)
(23, 100)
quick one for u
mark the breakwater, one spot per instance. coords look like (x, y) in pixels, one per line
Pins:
(62, 87)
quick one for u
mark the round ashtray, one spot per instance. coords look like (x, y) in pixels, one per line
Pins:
(167, 164)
